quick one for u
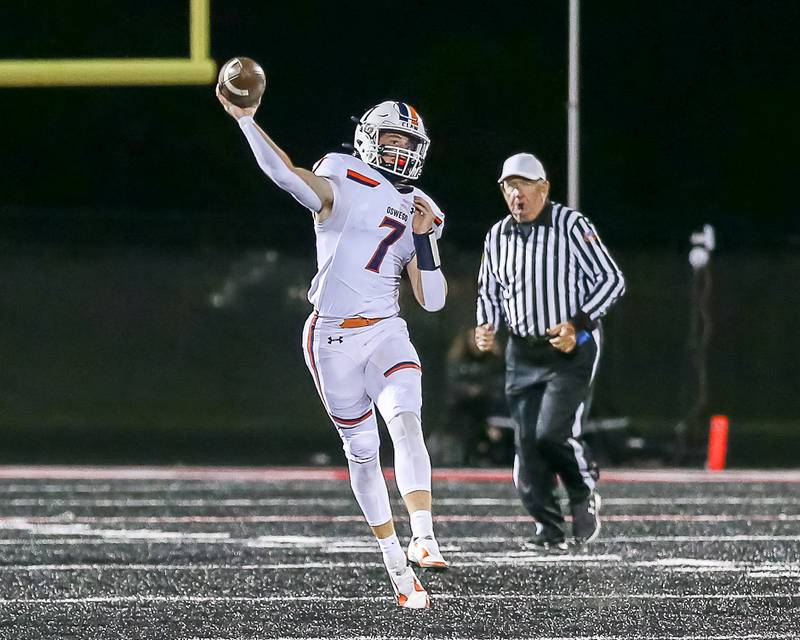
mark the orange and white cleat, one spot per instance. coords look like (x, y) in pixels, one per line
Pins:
(409, 590)
(424, 553)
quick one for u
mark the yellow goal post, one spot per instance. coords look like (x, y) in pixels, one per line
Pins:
(198, 68)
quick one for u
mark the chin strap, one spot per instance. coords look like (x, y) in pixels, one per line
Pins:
(434, 286)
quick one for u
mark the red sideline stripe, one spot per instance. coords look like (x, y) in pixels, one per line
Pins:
(352, 421)
(401, 365)
(357, 177)
(275, 474)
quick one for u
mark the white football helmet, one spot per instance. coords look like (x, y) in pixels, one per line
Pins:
(392, 116)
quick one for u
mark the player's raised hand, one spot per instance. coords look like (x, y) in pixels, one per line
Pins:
(484, 337)
(234, 111)
(422, 222)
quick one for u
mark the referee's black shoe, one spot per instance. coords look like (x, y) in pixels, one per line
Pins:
(586, 519)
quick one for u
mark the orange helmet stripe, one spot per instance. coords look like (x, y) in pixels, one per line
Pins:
(414, 115)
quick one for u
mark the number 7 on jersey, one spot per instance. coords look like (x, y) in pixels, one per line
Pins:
(395, 233)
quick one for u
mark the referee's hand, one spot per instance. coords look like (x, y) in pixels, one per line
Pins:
(563, 336)
(484, 337)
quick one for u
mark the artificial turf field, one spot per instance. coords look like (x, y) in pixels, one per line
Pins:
(136, 552)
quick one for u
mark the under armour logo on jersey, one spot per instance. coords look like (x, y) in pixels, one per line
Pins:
(338, 339)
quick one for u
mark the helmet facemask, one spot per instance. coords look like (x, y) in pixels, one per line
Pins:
(396, 160)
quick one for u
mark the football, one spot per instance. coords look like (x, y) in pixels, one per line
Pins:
(242, 81)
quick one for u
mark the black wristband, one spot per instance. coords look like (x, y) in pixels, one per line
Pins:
(427, 251)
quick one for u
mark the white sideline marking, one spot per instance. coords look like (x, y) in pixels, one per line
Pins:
(688, 562)
(730, 538)
(358, 541)
(343, 544)
(285, 565)
(84, 530)
(186, 567)
(7, 522)
(439, 596)
(521, 559)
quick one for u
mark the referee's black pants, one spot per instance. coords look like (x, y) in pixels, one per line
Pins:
(547, 391)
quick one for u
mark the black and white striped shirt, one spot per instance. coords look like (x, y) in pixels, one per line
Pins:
(561, 271)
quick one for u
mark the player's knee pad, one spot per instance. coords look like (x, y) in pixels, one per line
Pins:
(412, 464)
(361, 447)
(366, 478)
(406, 428)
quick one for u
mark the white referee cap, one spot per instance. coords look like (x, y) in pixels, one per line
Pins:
(525, 165)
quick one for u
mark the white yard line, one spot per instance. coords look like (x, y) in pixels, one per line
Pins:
(10, 522)
(521, 559)
(334, 545)
(79, 529)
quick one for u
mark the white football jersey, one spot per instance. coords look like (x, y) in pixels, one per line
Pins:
(366, 242)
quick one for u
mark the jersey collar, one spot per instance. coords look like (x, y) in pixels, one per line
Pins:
(544, 219)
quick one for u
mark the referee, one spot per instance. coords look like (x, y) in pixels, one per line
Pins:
(547, 276)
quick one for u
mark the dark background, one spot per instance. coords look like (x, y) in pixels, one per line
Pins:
(122, 210)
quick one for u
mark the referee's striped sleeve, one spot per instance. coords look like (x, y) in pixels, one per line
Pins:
(488, 308)
(607, 284)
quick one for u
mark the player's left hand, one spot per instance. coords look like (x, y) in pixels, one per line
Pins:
(234, 111)
(564, 338)
(422, 222)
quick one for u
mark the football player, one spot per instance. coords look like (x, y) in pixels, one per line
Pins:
(371, 223)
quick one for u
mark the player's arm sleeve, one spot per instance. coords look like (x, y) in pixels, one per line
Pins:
(607, 284)
(489, 309)
(276, 168)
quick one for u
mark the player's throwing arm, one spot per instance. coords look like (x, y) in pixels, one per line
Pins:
(311, 191)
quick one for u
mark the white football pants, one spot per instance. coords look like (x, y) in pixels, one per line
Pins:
(356, 370)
